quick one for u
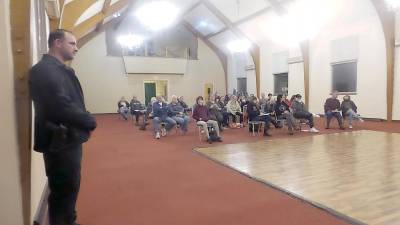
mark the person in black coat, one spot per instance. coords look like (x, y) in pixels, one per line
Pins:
(254, 113)
(62, 124)
(282, 111)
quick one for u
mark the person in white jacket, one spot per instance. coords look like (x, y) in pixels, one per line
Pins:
(234, 110)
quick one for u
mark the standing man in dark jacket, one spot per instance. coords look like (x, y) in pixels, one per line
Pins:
(332, 107)
(62, 124)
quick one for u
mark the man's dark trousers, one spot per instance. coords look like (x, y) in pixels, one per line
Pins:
(63, 170)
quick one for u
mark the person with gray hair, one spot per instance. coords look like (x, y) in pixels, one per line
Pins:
(177, 113)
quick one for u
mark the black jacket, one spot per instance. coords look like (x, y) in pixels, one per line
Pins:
(253, 110)
(58, 100)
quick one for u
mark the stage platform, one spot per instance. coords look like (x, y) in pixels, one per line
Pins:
(354, 175)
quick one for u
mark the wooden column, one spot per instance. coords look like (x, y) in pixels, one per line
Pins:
(255, 53)
(20, 37)
(387, 18)
(305, 51)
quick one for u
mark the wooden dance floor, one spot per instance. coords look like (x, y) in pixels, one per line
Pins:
(355, 175)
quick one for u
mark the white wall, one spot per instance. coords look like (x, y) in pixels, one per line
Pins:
(10, 187)
(353, 18)
(104, 82)
(38, 175)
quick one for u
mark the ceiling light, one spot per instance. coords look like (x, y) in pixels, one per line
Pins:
(238, 46)
(157, 15)
(130, 41)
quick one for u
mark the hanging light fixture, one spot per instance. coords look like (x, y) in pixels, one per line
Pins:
(157, 15)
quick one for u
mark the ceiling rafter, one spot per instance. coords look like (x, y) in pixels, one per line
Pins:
(74, 10)
(83, 28)
(222, 56)
(255, 49)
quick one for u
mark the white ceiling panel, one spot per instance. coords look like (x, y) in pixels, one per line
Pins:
(221, 40)
(204, 21)
(236, 10)
(91, 11)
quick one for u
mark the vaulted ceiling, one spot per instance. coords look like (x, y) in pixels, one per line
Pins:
(215, 21)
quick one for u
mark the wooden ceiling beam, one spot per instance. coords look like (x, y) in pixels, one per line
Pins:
(90, 24)
(388, 22)
(72, 11)
(221, 55)
(255, 49)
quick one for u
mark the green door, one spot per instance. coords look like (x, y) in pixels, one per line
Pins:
(149, 91)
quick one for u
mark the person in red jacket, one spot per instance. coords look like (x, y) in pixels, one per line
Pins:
(201, 114)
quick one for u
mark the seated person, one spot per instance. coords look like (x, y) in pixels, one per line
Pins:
(349, 109)
(215, 112)
(253, 110)
(234, 109)
(160, 114)
(137, 109)
(300, 112)
(123, 108)
(286, 100)
(184, 105)
(282, 112)
(177, 113)
(269, 108)
(332, 107)
(201, 115)
(225, 114)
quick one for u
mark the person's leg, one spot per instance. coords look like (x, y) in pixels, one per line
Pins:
(339, 118)
(63, 170)
(125, 113)
(170, 123)
(310, 118)
(240, 117)
(289, 121)
(204, 127)
(156, 124)
(214, 124)
(137, 116)
(225, 119)
(185, 124)
(328, 119)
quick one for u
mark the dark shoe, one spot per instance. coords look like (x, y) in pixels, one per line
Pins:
(326, 127)
(209, 141)
(142, 128)
(219, 139)
(342, 128)
(291, 133)
(266, 134)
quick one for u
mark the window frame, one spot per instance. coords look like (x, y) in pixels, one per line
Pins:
(355, 61)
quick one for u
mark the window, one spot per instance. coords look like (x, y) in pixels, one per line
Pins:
(281, 83)
(344, 76)
(242, 85)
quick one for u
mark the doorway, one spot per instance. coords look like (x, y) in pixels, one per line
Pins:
(155, 88)
(208, 90)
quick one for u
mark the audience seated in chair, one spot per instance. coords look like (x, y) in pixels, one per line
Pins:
(160, 115)
(332, 107)
(177, 113)
(201, 114)
(123, 108)
(282, 111)
(269, 108)
(215, 112)
(137, 110)
(254, 114)
(184, 105)
(234, 110)
(349, 109)
(299, 112)
(225, 114)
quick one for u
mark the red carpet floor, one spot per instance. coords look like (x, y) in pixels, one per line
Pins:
(129, 178)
